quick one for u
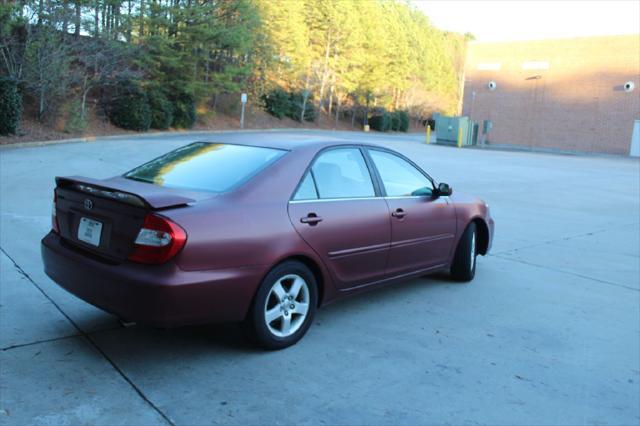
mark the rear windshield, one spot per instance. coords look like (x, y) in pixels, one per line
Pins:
(203, 166)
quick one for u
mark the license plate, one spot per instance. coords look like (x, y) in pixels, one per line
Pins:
(89, 231)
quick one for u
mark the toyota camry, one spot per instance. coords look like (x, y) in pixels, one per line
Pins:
(261, 233)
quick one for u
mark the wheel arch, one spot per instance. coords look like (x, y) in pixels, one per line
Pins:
(315, 270)
(313, 266)
(483, 234)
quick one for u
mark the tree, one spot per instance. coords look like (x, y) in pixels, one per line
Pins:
(46, 69)
(281, 54)
(357, 54)
(101, 63)
(13, 37)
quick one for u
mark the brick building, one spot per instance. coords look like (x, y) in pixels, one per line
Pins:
(564, 94)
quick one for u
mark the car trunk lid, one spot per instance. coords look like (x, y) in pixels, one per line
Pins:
(105, 216)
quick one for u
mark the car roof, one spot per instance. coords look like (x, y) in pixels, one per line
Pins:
(295, 144)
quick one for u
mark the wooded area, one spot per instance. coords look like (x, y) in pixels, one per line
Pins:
(154, 63)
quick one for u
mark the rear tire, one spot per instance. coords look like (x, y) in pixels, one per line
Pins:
(284, 306)
(463, 267)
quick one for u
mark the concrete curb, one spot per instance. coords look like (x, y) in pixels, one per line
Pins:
(153, 134)
(551, 151)
(493, 147)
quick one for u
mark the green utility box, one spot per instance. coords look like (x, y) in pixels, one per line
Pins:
(448, 128)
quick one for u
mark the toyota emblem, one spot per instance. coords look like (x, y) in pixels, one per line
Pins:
(88, 204)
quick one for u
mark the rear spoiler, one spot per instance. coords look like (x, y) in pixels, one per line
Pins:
(125, 190)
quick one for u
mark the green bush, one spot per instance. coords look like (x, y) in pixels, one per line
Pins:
(295, 109)
(403, 117)
(278, 103)
(161, 109)
(76, 120)
(381, 122)
(129, 107)
(184, 110)
(395, 121)
(399, 121)
(10, 106)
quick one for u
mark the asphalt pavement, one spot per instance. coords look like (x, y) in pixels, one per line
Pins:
(547, 333)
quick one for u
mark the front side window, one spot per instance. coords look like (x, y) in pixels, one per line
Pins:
(342, 173)
(203, 166)
(400, 178)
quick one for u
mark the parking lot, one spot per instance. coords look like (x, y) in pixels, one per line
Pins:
(547, 333)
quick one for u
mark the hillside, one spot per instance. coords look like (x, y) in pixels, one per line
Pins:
(79, 67)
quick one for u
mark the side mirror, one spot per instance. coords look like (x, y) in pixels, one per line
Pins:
(443, 190)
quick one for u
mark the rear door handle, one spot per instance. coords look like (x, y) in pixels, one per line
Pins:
(311, 219)
(399, 213)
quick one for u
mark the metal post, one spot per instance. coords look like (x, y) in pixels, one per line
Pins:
(428, 134)
(459, 136)
(243, 99)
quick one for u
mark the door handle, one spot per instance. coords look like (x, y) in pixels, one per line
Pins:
(399, 213)
(311, 219)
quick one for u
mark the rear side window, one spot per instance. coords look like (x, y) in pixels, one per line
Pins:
(342, 173)
(203, 166)
(307, 189)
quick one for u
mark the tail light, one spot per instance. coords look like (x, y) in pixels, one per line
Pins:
(158, 241)
(54, 217)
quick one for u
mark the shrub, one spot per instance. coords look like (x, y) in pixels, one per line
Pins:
(278, 103)
(381, 122)
(161, 109)
(10, 106)
(403, 117)
(76, 121)
(184, 110)
(399, 121)
(129, 107)
(395, 121)
(295, 107)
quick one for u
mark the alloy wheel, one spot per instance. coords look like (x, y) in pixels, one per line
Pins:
(287, 304)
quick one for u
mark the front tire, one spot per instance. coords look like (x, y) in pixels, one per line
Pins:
(284, 306)
(463, 267)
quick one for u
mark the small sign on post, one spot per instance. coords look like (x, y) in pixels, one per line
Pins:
(243, 99)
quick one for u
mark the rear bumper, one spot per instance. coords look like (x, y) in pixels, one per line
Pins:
(159, 295)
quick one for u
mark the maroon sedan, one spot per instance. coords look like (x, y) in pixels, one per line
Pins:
(261, 233)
